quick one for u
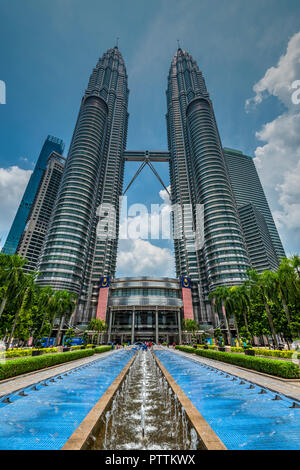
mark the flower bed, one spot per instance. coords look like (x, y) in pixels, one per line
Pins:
(269, 352)
(287, 370)
(88, 346)
(25, 352)
(275, 353)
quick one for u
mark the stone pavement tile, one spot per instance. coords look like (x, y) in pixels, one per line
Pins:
(291, 390)
(19, 382)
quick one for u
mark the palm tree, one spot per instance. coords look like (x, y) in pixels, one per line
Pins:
(11, 275)
(265, 284)
(98, 325)
(222, 296)
(233, 306)
(66, 305)
(27, 295)
(295, 262)
(45, 295)
(53, 307)
(286, 284)
(190, 325)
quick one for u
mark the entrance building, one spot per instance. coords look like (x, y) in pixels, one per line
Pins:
(144, 309)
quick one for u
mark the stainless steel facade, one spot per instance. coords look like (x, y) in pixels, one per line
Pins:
(199, 175)
(74, 257)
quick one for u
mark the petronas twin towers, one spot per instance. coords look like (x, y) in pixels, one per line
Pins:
(74, 258)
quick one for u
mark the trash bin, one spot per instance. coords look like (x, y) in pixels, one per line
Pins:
(36, 353)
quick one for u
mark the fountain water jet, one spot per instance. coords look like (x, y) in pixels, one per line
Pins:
(145, 413)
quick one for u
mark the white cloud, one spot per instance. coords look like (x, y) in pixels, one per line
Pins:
(142, 258)
(277, 160)
(13, 181)
(165, 196)
(278, 80)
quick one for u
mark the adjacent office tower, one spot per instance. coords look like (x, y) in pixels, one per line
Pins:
(52, 144)
(32, 239)
(74, 257)
(199, 175)
(265, 248)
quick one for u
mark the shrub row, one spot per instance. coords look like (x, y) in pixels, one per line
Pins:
(287, 370)
(102, 349)
(210, 346)
(24, 365)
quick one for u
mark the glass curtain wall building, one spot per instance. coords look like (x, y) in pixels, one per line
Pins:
(258, 240)
(51, 144)
(199, 175)
(74, 257)
(32, 239)
(248, 189)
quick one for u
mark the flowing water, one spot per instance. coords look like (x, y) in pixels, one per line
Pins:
(145, 413)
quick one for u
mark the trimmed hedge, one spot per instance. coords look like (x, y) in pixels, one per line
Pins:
(16, 367)
(287, 370)
(210, 346)
(102, 349)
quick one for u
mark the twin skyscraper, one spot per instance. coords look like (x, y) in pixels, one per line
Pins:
(201, 173)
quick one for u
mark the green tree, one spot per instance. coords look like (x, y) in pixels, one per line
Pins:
(191, 326)
(45, 296)
(265, 284)
(66, 302)
(26, 296)
(99, 326)
(221, 296)
(11, 277)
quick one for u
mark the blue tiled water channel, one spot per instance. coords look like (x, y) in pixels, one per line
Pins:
(50, 412)
(242, 417)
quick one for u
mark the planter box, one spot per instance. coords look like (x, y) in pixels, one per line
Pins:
(36, 353)
(249, 352)
(222, 349)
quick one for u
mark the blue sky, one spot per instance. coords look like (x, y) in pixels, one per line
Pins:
(48, 50)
